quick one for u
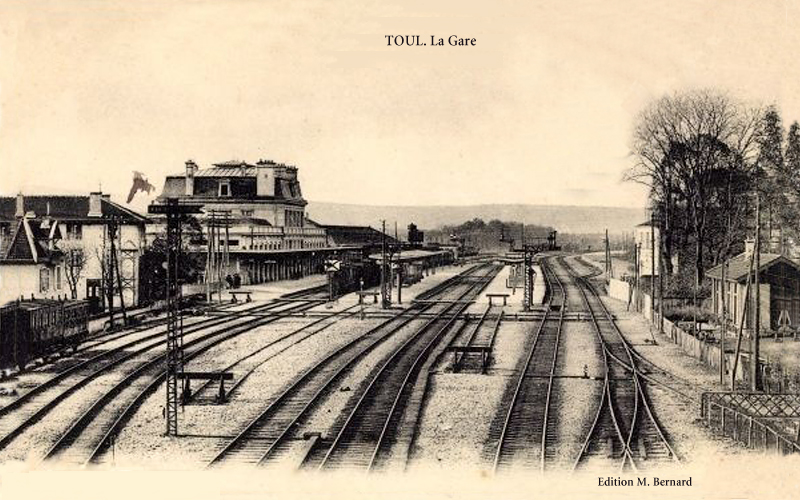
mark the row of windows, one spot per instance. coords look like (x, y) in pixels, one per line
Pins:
(287, 245)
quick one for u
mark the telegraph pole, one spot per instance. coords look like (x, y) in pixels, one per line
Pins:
(652, 267)
(399, 266)
(755, 372)
(724, 328)
(384, 298)
(660, 282)
(636, 258)
(209, 256)
(607, 259)
(175, 214)
(113, 231)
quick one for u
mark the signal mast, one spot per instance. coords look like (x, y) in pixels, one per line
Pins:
(528, 250)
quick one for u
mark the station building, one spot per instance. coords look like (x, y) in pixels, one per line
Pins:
(267, 234)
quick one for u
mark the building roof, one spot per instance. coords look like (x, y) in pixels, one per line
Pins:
(287, 190)
(231, 168)
(228, 169)
(739, 266)
(356, 235)
(410, 255)
(27, 244)
(68, 208)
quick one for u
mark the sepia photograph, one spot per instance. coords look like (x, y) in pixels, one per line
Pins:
(420, 249)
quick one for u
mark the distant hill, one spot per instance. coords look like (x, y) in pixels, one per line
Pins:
(565, 218)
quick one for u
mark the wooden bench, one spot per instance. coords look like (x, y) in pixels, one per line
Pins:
(362, 294)
(189, 376)
(497, 295)
(484, 351)
(234, 295)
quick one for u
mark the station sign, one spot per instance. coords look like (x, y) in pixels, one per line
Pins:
(332, 265)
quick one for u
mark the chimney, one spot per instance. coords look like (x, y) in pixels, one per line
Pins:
(20, 206)
(265, 178)
(95, 204)
(191, 169)
(775, 245)
(749, 246)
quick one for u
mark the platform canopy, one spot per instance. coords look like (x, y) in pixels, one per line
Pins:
(410, 255)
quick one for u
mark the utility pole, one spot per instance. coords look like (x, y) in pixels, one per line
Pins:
(209, 255)
(607, 259)
(218, 256)
(384, 298)
(660, 282)
(755, 371)
(637, 258)
(526, 293)
(113, 231)
(652, 267)
(227, 245)
(108, 278)
(175, 214)
(399, 266)
(724, 328)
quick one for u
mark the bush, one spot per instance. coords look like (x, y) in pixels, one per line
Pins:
(687, 313)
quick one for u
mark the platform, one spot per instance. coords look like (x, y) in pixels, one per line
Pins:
(274, 289)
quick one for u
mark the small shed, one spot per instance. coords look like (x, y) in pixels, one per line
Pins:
(779, 284)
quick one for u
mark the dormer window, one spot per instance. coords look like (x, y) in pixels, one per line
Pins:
(224, 188)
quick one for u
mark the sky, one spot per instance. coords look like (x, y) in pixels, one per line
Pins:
(539, 111)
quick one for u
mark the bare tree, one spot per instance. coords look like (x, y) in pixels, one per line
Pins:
(691, 149)
(74, 264)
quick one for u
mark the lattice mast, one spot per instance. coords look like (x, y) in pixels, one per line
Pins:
(175, 215)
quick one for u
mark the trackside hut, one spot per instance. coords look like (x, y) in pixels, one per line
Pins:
(779, 285)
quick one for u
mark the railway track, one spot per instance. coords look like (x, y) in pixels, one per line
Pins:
(269, 435)
(370, 432)
(252, 361)
(73, 365)
(89, 436)
(22, 413)
(625, 430)
(97, 340)
(482, 333)
(527, 437)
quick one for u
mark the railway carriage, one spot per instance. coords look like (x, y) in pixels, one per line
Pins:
(412, 273)
(354, 269)
(34, 328)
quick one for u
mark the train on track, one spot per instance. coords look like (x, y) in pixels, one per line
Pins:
(355, 273)
(34, 328)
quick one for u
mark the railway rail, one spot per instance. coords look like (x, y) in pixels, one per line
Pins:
(88, 437)
(75, 363)
(94, 341)
(368, 435)
(527, 435)
(625, 429)
(29, 408)
(268, 436)
(480, 334)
